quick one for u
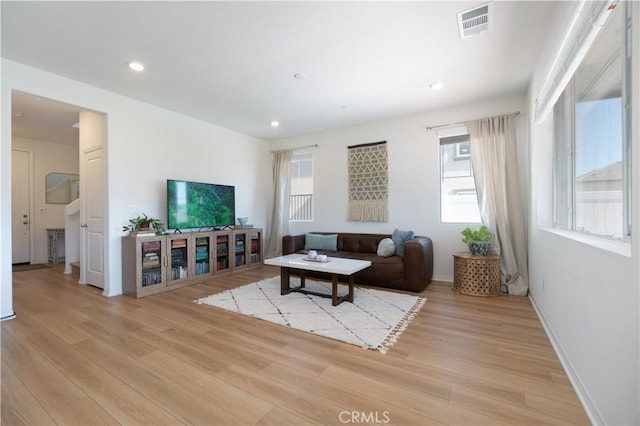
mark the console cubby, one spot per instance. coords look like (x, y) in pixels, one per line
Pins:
(203, 254)
(145, 267)
(180, 259)
(255, 246)
(223, 252)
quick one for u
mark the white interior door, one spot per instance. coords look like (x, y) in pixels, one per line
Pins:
(20, 207)
(92, 210)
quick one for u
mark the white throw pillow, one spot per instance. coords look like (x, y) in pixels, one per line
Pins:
(386, 247)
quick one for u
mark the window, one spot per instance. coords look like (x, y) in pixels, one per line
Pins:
(301, 201)
(463, 150)
(458, 197)
(591, 169)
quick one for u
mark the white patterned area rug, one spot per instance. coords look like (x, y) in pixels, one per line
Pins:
(374, 320)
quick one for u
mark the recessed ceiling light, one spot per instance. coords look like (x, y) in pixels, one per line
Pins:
(300, 76)
(436, 86)
(136, 66)
(275, 123)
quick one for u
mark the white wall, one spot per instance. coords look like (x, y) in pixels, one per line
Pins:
(146, 145)
(47, 158)
(587, 296)
(414, 185)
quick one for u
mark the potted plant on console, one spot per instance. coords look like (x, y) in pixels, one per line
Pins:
(144, 225)
(477, 239)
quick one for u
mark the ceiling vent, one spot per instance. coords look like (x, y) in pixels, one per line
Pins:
(473, 21)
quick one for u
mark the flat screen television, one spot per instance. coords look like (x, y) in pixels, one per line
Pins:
(199, 205)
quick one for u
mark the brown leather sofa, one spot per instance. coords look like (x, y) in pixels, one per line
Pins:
(413, 271)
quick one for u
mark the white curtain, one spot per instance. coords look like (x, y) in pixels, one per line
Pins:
(281, 194)
(495, 166)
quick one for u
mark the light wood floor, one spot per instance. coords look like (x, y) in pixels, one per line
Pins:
(73, 356)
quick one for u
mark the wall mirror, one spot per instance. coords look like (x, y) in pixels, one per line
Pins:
(62, 188)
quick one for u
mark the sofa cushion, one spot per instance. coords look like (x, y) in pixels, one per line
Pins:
(386, 247)
(359, 243)
(321, 242)
(399, 238)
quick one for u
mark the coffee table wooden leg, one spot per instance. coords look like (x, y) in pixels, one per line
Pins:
(284, 280)
(301, 279)
(334, 290)
(350, 296)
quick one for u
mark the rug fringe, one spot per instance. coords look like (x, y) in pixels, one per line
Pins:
(402, 325)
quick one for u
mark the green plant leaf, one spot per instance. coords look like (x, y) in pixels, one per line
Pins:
(481, 234)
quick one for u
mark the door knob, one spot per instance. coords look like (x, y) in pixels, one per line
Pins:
(84, 225)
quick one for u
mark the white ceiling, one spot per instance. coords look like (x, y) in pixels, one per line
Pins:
(42, 119)
(232, 63)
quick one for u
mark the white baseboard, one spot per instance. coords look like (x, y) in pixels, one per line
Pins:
(8, 317)
(583, 395)
(445, 278)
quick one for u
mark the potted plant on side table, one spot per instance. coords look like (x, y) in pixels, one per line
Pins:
(144, 225)
(477, 239)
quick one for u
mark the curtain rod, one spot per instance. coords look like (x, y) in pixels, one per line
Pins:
(455, 124)
(299, 147)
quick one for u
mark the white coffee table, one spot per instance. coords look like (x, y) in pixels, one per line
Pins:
(336, 266)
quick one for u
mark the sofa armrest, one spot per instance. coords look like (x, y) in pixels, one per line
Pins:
(292, 243)
(418, 262)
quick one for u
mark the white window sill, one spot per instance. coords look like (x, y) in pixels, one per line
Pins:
(621, 248)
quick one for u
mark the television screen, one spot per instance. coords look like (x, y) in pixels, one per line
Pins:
(199, 205)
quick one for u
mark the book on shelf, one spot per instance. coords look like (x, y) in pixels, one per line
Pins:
(178, 243)
(151, 277)
(202, 252)
(150, 260)
(151, 246)
(143, 233)
(202, 268)
(178, 272)
(201, 241)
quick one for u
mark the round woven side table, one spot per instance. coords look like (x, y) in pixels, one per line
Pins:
(476, 275)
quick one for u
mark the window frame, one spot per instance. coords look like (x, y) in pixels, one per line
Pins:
(567, 102)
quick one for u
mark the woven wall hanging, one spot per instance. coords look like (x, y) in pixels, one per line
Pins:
(368, 183)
